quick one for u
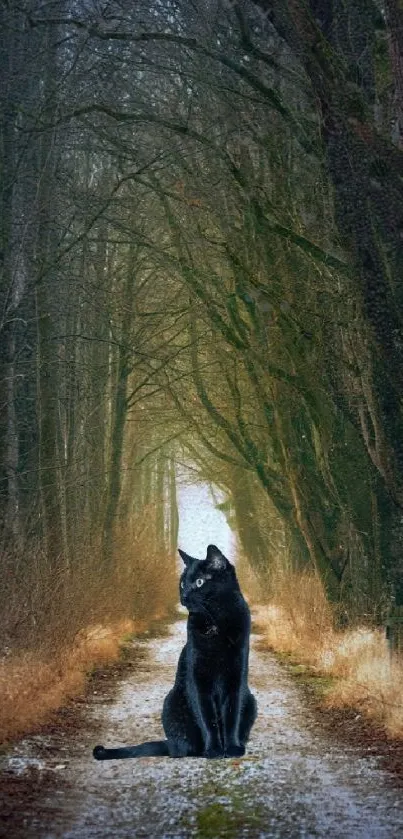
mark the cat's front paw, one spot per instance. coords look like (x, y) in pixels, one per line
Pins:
(232, 750)
(213, 752)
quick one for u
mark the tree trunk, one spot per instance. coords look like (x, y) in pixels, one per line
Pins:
(47, 380)
(119, 414)
(160, 503)
(173, 509)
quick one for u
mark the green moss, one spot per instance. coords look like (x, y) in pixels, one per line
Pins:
(224, 820)
(126, 649)
(227, 815)
(298, 669)
(318, 683)
(282, 657)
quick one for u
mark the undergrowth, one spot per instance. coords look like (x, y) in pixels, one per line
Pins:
(298, 621)
(57, 624)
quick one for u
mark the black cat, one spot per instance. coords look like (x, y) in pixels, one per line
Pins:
(210, 710)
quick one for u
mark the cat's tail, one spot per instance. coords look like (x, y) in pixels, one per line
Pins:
(153, 748)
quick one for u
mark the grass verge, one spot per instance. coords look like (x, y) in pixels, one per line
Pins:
(57, 625)
(353, 668)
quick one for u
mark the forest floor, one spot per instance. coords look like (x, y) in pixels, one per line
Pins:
(306, 773)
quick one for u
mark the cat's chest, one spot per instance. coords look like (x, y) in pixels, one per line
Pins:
(217, 637)
(215, 642)
(212, 631)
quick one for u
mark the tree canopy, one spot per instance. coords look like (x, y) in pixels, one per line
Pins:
(201, 258)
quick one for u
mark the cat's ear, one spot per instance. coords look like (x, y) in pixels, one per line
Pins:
(186, 558)
(215, 558)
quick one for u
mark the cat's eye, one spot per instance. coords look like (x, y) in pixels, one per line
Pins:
(182, 584)
(199, 582)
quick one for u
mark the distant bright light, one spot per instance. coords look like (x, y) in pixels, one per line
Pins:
(200, 524)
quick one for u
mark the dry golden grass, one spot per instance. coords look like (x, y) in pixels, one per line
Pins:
(249, 582)
(368, 677)
(299, 621)
(33, 684)
(56, 626)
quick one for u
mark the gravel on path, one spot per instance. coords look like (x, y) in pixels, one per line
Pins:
(294, 780)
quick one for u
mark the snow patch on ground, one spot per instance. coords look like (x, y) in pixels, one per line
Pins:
(21, 765)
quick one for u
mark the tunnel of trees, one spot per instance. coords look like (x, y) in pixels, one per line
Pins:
(201, 261)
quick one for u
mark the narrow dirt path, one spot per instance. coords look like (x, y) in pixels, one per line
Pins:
(293, 782)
